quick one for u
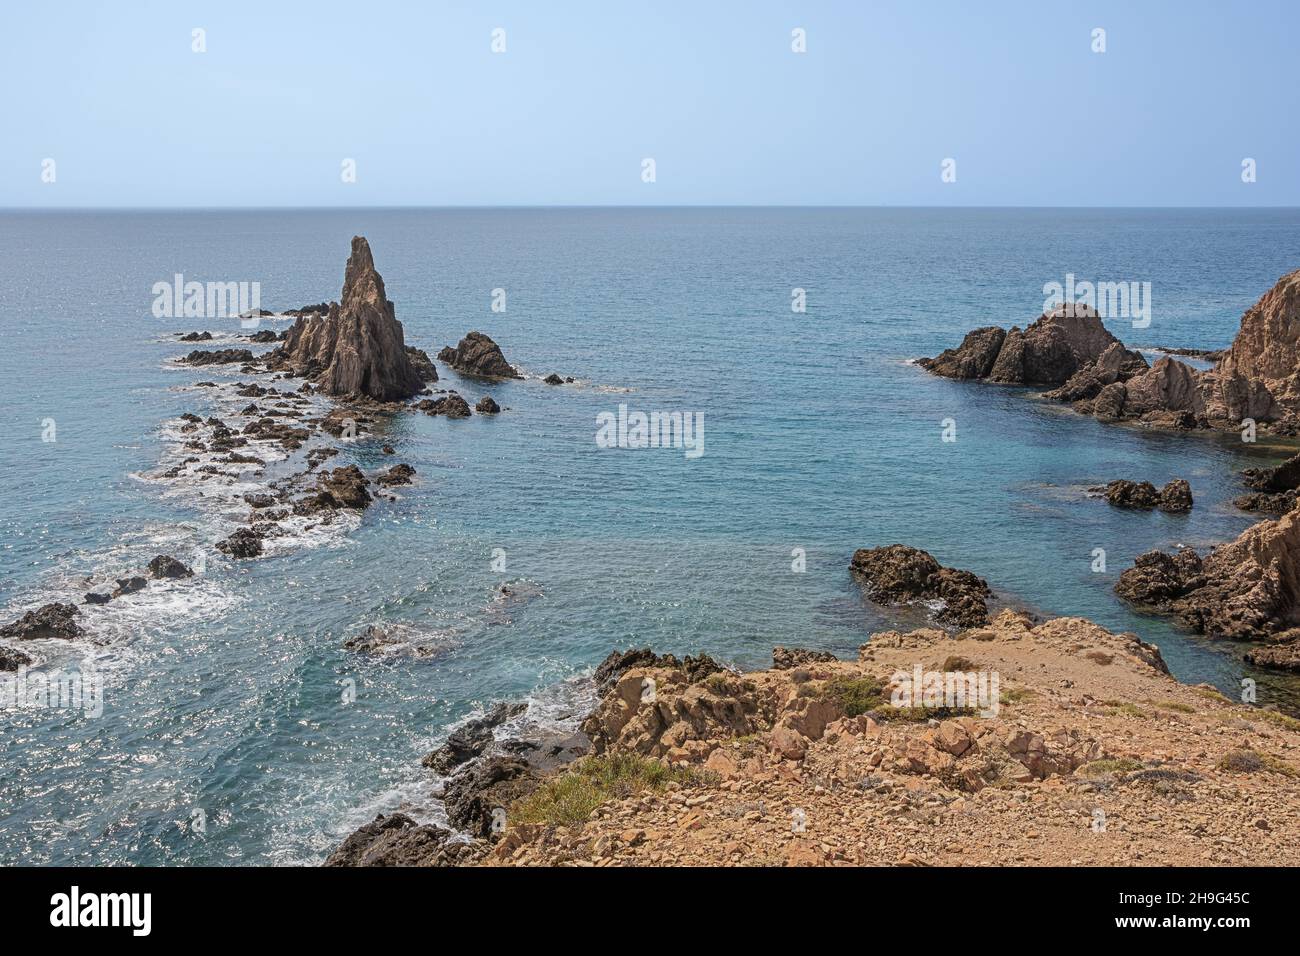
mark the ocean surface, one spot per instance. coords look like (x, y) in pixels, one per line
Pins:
(229, 733)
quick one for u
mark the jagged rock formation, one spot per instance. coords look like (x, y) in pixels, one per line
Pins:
(358, 348)
(898, 574)
(478, 355)
(452, 405)
(397, 840)
(1247, 590)
(1257, 378)
(1047, 353)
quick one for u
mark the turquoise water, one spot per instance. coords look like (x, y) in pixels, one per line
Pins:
(224, 695)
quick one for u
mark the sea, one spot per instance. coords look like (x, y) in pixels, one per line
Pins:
(235, 728)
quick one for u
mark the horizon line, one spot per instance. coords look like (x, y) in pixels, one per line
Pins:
(541, 206)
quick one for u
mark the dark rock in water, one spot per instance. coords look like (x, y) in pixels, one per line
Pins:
(263, 336)
(196, 337)
(165, 566)
(129, 586)
(397, 475)
(1282, 657)
(1175, 497)
(553, 379)
(389, 450)
(974, 358)
(396, 640)
(618, 663)
(1157, 578)
(320, 308)
(345, 488)
(51, 621)
(487, 406)
(476, 354)
(471, 738)
(1283, 477)
(1047, 353)
(217, 357)
(397, 840)
(358, 347)
(472, 796)
(451, 405)
(94, 597)
(1262, 502)
(244, 543)
(422, 364)
(12, 659)
(898, 574)
(257, 501)
(784, 659)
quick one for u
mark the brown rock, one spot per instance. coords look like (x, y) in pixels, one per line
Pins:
(357, 348)
(476, 354)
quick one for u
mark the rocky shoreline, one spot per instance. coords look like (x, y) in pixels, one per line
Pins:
(1091, 754)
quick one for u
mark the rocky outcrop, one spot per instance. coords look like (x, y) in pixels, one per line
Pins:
(344, 487)
(452, 405)
(1260, 374)
(217, 357)
(785, 658)
(45, 623)
(397, 475)
(357, 348)
(618, 663)
(422, 364)
(471, 738)
(165, 566)
(397, 840)
(898, 574)
(244, 543)
(1048, 353)
(487, 406)
(11, 659)
(1114, 365)
(1248, 590)
(1175, 497)
(476, 354)
(474, 796)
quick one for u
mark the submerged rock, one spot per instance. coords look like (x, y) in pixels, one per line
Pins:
(50, 621)
(899, 574)
(357, 348)
(165, 566)
(11, 659)
(129, 586)
(476, 354)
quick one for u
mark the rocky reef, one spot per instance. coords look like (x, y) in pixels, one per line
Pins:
(477, 355)
(898, 574)
(1070, 352)
(357, 349)
(1175, 497)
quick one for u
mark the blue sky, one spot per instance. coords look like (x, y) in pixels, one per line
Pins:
(710, 90)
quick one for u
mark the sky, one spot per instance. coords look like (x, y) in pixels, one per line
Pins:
(414, 95)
